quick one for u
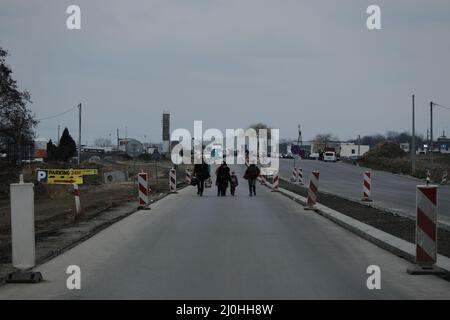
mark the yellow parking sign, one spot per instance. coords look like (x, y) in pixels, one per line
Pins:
(63, 176)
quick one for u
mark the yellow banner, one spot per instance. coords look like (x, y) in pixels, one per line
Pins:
(64, 179)
(63, 176)
(85, 172)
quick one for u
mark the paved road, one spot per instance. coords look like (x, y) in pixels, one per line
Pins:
(390, 191)
(263, 247)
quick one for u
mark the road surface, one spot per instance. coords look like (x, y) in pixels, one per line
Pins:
(389, 191)
(263, 247)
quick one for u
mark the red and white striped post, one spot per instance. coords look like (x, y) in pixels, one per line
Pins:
(300, 175)
(426, 231)
(444, 179)
(313, 190)
(143, 190)
(76, 194)
(367, 182)
(188, 176)
(172, 181)
(275, 182)
(262, 180)
(294, 177)
(428, 179)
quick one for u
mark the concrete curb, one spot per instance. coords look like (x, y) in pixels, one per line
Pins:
(397, 246)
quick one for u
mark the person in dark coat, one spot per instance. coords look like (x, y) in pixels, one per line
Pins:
(223, 178)
(251, 174)
(201, 173)
(233, 183)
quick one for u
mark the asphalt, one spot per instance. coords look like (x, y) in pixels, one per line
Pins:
(263, 247)
(389, 191)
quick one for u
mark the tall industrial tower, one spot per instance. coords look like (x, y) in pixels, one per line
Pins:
(166, 132)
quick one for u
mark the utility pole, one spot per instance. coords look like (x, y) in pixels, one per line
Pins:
(359, 145)
(58, 134)
(117, 139)
(79, 133)
(431, 134)
(413, 142)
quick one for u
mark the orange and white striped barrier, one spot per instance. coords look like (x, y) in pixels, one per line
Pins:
(262, 180)
(172, 180)
(275, 182)
(313, 190)
(294, 177)
(426, 231)
(367, 181)
(444, 179)
(143, 190)
(188, 176)
(300, 175)
(76, 194)
(428, 178)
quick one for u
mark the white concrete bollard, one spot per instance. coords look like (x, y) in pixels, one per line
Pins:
(22, 225)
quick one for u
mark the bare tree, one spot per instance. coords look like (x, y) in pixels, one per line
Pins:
(324, 140)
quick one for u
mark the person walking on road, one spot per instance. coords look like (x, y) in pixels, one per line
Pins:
(223, 178)
(251, 174)
(233, 183)
(201, 173)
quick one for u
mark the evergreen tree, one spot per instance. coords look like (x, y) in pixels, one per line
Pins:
(51, 151)
(66, 148)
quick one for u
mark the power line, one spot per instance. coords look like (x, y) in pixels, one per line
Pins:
(58, 115)
(439, 105)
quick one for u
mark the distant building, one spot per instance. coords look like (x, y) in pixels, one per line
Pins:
(123, 143)
(350, 150)
(443, 143)
(40, 148)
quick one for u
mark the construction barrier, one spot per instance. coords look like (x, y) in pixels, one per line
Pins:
(188, 176)
(426, 231)
(275, 182)
(76, 194)
(294, 177)
(300, 175)
(172, 180)
(143, 190)
(444, 179)
(313, 190)
(367, 181)
(263, 180)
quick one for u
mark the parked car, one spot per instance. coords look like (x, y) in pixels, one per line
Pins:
(329, 156)
(314, 156)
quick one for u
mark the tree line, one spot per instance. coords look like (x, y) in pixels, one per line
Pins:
(16, 119)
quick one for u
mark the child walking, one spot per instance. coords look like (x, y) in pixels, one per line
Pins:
(233, 182)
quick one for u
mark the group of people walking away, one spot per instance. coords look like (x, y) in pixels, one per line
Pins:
(225, 177)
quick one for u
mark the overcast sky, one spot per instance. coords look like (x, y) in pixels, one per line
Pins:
(231, 63)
